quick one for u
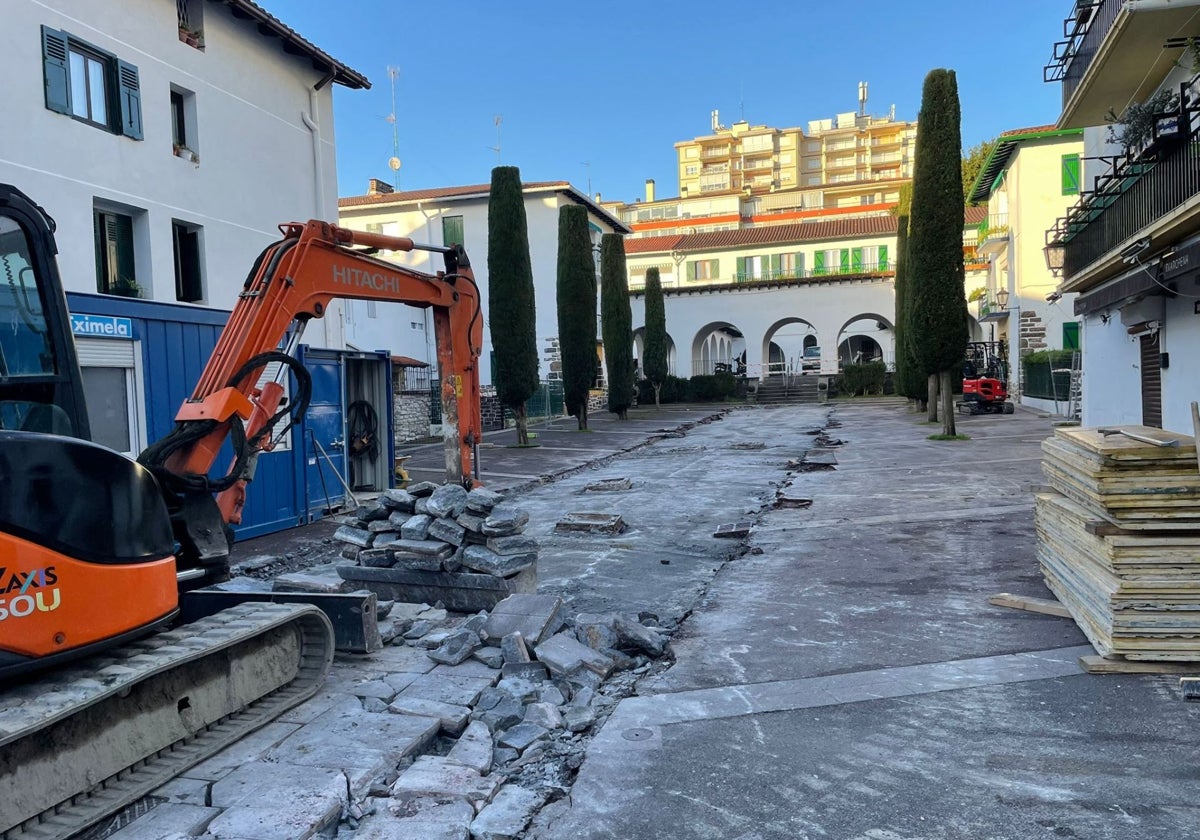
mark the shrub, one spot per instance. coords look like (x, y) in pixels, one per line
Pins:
(867, 378)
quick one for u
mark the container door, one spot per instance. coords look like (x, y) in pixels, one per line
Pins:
(324, 434)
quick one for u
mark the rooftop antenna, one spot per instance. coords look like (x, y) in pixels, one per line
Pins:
(588, 164)
(742, 102)
(394, 160)
(862, 99)
(497, 120)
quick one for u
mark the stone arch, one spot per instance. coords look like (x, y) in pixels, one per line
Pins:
(639, 342)
(867, 337)
(717, 343)
(784, 344)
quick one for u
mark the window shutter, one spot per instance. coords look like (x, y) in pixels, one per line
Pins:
(818, 262)
(1070, 174)
(776, 266)
(845, 260)
(741, 269)
(54, 69)
(883, 258)
(856, 259)
(691, 269)
(129, 90)
(798, 264)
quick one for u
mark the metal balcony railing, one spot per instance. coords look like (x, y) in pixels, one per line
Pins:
(1143, 186)
(1083, 33)
(995, 226)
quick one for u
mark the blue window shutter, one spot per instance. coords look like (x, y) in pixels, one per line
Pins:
(54, 68)
(131, 100)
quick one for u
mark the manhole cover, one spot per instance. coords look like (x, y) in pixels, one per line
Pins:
(638, 734)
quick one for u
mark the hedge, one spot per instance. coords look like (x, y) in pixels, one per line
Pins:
(711, 388)
(867, 378)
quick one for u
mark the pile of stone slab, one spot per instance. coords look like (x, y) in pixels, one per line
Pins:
(1119, 538)
(519, 689)
(433, 543)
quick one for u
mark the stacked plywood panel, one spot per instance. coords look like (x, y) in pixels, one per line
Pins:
(1119, 539)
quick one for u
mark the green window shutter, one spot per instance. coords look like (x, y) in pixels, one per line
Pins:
(798, 264)
(856, 259)
(844, 265)
(713, 272)
(741, 269)
(124, 242)
(1070, 335)
(1070, 174)
(776, 266)
(54, 70)
(691, 269)
(130, 92)
(883, 258)
(818, 262)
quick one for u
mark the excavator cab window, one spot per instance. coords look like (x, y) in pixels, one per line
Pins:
(29, 366)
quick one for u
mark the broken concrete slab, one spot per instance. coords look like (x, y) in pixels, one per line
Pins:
(506, 816)
(513, 648)
(398, 500)
(437, 775)
(360, 537)
(578, 718)
(299, 791)
(534, 672)
(637, 636)
(563, 653)
(457, 647)
(490, 657)
(461, 591)
(483, 559)
(609, 485)
(250, 748)
(457, 691)
(506, 713)
(322, 578)
(733, 530)
(533, 616)
(169, 820)
(516, 544)
(422, 489)
(453, 719)
(379, 558)
(785, 501)
(505, 520)
(591, 523)
(522, 736)
(545, 715)
(473, 748)
(342, 738)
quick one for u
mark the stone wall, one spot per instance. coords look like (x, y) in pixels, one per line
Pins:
(1032, 332)
(410, 415)
(491, 409)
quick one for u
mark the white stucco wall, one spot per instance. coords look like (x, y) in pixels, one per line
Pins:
(423, 222)
(256, 165)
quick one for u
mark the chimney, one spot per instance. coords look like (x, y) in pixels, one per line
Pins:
(649, 189)
(376, 186)
(597, 198)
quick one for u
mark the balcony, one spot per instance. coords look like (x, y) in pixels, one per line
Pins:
(714, 153)
(993, 234)
(991, 309)
(1150, 191)
(1113, 52)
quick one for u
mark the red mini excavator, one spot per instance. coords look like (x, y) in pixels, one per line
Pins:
(104, 695)
(985, 379)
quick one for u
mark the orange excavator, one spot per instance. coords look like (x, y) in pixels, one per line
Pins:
(104, 695)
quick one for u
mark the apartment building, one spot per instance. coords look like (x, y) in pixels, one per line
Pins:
(1029, 179)
(168, 139)
(1129, 247)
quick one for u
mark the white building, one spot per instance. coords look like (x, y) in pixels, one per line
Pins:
(168, 139)
(448, 215)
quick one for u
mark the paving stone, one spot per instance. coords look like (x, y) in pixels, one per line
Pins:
(551, 694)
(183, 790)
(416, 527)
(398, 500)
(583, 678)
(448, 500)
(504, 755)
(434, 638)
(453, 719)
(422, 489)
(400, 680)
(393, 659)
(609, 485)
(506, 816)
(545, 715)
(534, 672)
(454, 562)
(490, 657)
(733, 530)
(374, 688)
(168, 820)
(243, 751)
(378, 558)
(374, 705)
(596, 631)
(563, 653)
(473, 748)
(371, 512)
(455, 690)
(419, 818)
(420, 628)
(382, 526)
(465, 592)
(520, 688)
(417, 562)
(482, 500)
(533, 616)
(438, 775)
(350, 552)
(578, 718)
(419, 548)
(447, 530)
(471, 522)
(636, 635)
(522, 736)
(483, 559)
(476, 622)
(512, 647)
(433, 613)
(517, 544)
(505, 520)
(422, 507)
(324, 579)
(591, 523)
(508, 712)
(470, 668)
(299, 791)
(343, 739)
(457, 647)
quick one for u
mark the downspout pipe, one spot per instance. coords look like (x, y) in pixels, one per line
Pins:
(312, 122)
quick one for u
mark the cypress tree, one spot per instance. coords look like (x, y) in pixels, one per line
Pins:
(510, 297)
(616, 321)
(576, 309)
(935, 298)
(909, 383)
(654, 345)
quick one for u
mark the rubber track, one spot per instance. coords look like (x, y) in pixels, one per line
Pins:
(30, 709)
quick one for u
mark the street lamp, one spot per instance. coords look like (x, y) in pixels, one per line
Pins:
(1055, 252)
(1002, 298)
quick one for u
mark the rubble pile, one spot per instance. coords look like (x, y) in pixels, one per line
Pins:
(521, 687)
(440, 543)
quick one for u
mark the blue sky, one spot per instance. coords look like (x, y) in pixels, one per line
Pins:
(603, 91)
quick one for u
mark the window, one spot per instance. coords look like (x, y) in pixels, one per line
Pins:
(191, 22)
(189, 286)
(110, 373)
(702, 269)
(183, 124)
(452, 230)
(374, 227)
(26, 348)
(1070, 174)
(115, 270)
(372, 309)
(91, 85)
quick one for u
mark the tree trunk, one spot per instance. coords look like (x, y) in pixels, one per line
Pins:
(657, 389)
(932, 403)
(522, 425)
(582, 416)
(947, 404)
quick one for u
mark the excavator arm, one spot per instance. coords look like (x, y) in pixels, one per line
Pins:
(291, 283)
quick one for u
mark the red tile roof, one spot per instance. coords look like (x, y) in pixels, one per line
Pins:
(651, 244)
(1032, 130)
(408, 361)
